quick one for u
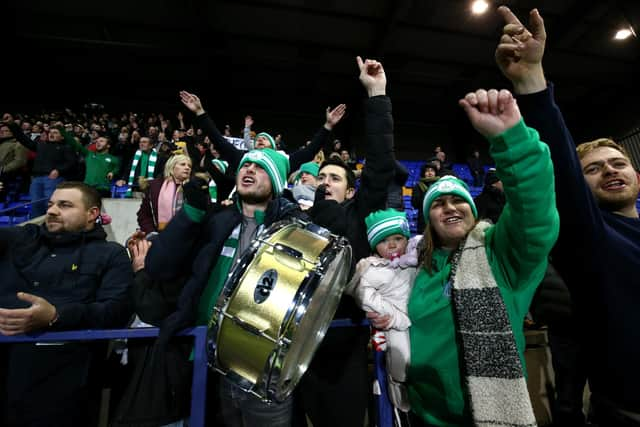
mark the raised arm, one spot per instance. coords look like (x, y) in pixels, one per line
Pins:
(519, 56)
(319, 140)
(528, 226)
(380, 160)
(203, 121)
(246, 133)
(69, 161)
(72, 143)
(21, 137)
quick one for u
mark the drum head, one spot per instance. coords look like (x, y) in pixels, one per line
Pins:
(318, 307)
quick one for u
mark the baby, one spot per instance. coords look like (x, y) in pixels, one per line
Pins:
(382, 283)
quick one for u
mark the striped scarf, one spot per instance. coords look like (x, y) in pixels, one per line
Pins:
(151, 166)
(213, 191)
(217, 278)
(494, 376)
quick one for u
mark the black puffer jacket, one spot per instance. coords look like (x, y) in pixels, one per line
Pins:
(377, 174)
(84, 276)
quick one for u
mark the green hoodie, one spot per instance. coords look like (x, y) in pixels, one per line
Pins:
(517, 248)
(98, 165)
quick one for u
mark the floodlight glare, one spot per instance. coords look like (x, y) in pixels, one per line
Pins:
(623, 34)
(479, 7)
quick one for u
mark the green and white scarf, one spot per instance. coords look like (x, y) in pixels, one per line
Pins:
(218, 277)
(493, 371)
(151, 166)
(213, 191)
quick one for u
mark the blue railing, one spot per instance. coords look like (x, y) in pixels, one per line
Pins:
(200, 361)
(199, 384)
(17, 213)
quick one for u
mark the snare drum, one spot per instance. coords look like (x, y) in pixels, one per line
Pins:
(276, 307)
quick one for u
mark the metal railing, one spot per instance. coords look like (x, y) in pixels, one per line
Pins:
(22, 217)
(200, 361)
(199, 384)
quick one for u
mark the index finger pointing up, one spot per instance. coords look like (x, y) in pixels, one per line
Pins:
(508, 16)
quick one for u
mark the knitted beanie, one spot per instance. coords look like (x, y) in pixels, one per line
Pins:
(269, 138)
(274, 164)
(447, 185)
(311, 168)
(221, 165)
(382, 224)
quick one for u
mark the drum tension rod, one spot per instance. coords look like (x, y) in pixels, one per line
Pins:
(288, 250)
(249, 328)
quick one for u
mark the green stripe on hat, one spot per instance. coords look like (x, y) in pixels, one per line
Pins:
(269, 137)
(447, 185)
(274, 164)
(382, 224)
(221, 165)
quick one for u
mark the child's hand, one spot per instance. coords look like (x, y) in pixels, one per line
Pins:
(378, 320)
(378, 340)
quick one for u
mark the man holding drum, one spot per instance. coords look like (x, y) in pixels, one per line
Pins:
(204, 246)
(213, 241)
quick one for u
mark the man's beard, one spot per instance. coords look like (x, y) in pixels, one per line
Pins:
(253, 198)
(617, 202)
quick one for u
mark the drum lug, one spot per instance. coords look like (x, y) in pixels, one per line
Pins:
(286, 341)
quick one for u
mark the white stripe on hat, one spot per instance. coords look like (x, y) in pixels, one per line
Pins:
(388, 223)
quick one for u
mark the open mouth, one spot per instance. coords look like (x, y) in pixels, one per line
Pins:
(453, 220)
(247, 180)
(615, 184)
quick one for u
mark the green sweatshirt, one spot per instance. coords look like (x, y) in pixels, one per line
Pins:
(98, 165)
(517, 248)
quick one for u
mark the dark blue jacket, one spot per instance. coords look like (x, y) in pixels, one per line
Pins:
(87, 278)
(598, 255)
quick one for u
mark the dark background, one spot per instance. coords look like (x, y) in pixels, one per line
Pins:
(285, 61)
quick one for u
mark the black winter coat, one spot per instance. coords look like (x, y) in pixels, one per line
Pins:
(88, 280)
(84, 276)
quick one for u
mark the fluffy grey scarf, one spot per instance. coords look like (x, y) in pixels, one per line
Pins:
(493, 372)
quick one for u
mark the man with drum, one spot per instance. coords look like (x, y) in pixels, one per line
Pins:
(205, 245)
(335, 389)
(213, 241)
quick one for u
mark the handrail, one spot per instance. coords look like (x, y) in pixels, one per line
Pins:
(2, 212)
(200, 361)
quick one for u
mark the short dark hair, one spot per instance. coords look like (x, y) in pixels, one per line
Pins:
(351, 177)
(90, 196)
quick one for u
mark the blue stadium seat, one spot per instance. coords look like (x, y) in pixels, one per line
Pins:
(119, 192)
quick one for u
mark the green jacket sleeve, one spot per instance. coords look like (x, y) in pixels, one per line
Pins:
(71, 142)
(528, 227)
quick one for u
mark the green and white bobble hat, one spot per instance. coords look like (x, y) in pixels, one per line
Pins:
(269, 137)
(382, 224)
(447, 185)
(221, 165)
(274, 164)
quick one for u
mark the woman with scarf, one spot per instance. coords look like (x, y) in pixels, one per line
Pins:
(476, 281)
(163, 198)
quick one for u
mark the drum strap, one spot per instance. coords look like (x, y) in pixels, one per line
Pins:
(218, 277)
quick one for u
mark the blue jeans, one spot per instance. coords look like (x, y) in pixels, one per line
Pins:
(40, 191)
(241, 409)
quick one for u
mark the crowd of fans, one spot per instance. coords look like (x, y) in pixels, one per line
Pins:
(448, 305)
